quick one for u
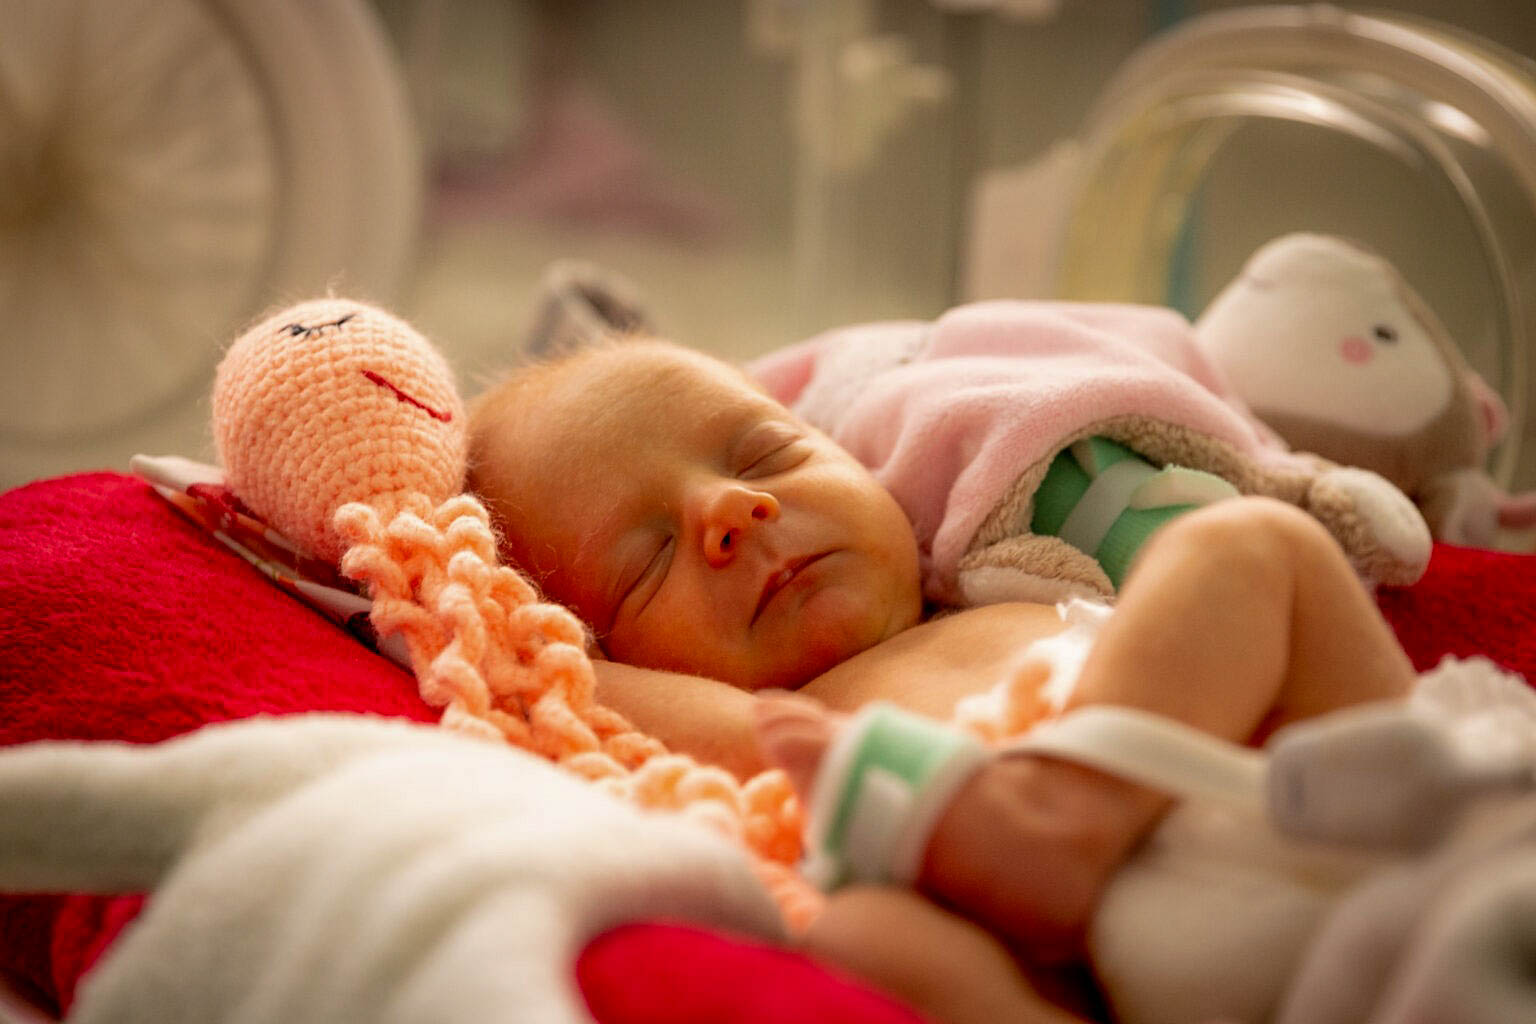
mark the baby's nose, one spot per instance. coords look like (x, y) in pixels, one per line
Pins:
(731, 516)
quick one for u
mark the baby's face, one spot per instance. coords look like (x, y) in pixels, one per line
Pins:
(695, 523)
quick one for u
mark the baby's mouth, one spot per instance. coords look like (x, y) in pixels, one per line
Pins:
(781, 579)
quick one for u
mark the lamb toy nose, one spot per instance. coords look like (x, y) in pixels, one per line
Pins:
(1356, 350)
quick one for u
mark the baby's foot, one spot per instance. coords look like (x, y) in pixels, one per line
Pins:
(1025, 847)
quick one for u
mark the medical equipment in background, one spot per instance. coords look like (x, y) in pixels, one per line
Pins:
(190, 162)
(169, 168)
(1238, 126)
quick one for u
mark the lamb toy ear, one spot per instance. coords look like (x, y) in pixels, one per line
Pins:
(1495, 413)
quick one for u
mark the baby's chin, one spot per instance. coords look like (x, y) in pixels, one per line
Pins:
(819, 649)
(794, 673)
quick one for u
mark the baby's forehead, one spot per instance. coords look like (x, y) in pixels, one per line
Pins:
(659, 386)
(684, 371)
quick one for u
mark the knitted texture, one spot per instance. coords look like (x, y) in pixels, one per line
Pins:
(333, 401)
(341, 427)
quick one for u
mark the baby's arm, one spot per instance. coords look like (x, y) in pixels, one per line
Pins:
(924, 669)
(704, 718)
(1025, 845)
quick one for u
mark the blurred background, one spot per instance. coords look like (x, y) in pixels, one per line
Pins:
(756, 169)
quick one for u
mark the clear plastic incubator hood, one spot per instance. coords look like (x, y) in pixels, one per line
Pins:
(1237, 127)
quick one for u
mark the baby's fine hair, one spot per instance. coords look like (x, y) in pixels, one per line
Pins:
(514, 398)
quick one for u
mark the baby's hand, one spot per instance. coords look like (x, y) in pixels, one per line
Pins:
(1026, 846)
(794, 732)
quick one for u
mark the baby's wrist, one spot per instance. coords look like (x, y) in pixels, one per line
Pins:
(1029, 845)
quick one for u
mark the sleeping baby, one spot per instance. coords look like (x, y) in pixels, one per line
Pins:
(717, 545)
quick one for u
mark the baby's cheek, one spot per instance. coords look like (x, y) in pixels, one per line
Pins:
(839, 621)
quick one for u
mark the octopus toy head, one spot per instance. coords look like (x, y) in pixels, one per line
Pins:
(333, 401)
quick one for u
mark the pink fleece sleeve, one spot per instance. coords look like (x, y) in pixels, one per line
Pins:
(953, 414)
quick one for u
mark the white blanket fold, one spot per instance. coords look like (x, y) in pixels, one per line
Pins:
(345, 868)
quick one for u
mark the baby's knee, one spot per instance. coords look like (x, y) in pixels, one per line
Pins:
(1255, 534)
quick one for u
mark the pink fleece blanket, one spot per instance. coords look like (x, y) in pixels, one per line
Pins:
(949, 416)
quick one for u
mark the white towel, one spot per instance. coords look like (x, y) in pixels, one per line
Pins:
(334, 868)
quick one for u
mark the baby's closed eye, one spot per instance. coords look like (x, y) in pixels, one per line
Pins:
(772, 448)
(643, 575)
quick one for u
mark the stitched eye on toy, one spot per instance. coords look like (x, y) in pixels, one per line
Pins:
(297, 330)
(1385, 332)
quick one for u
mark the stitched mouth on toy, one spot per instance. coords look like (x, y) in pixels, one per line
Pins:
(384, 382)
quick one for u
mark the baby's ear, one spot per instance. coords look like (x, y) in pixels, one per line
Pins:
(579, 303)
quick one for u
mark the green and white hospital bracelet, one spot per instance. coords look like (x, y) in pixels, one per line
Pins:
(1378, 776)
(879, 793)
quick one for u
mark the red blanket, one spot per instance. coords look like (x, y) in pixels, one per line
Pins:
(123, 621)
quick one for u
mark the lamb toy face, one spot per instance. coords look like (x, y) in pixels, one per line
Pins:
(1330, 346)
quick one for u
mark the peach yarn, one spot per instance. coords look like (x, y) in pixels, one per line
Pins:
(302, 429)
(340, 425)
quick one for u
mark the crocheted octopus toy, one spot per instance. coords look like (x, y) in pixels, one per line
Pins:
(340, 426)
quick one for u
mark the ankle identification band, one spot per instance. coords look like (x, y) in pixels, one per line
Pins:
(1106, 499)
(879, 793)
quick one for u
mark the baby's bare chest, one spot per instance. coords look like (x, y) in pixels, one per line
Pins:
(932, 665)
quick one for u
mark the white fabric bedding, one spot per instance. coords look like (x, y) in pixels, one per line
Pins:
(334, 868)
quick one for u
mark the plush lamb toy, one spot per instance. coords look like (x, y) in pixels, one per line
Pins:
(1330, 346)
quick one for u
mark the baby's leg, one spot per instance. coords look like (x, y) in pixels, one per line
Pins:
(1239, 618)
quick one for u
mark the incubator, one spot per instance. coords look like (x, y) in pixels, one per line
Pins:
(760, 170)
(1410, 136)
